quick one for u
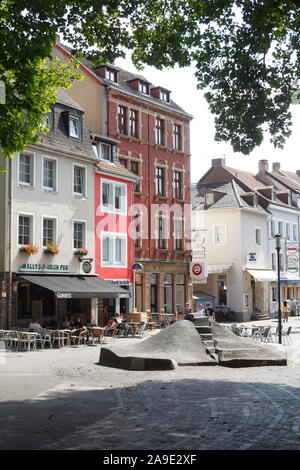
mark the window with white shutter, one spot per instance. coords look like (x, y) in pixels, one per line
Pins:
(220, 234)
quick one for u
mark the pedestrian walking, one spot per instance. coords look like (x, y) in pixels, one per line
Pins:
(285, 311)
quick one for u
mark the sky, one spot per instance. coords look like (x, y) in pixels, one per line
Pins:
(182, 84)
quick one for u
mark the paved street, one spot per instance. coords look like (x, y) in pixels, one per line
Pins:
(61, 399)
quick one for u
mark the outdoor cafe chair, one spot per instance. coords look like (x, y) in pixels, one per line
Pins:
(97, 333)
(286, 335)
(78, 336)
(266, 335)
(27, 340)
(140, 329)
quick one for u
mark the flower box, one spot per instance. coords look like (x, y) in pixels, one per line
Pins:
(80, 251)
(51, 249)
(29, 249)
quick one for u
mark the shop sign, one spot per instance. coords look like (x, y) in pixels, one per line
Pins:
(137, 266)
(292, 252)
(252, 256)
(119, 282)
(86, 267)
(198, 270)
(39, 267)
(63, 295)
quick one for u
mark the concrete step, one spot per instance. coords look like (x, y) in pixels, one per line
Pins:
(206, 336)
(203, 329)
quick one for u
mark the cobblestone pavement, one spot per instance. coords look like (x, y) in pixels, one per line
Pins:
(62, 399)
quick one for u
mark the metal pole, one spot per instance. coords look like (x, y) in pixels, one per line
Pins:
(278, 247)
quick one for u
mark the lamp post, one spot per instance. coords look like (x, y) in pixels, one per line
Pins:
(278, 248)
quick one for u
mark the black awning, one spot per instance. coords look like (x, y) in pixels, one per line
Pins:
(78, 287)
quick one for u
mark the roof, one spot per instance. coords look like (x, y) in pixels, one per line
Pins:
(115, 168)
(287, 178)
(229, 195)
(63, 98)
(123, 77)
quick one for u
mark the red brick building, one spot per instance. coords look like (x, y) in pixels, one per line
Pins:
(155, 145)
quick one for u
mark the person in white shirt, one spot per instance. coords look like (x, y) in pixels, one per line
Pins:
(200, 312)
(34, 325)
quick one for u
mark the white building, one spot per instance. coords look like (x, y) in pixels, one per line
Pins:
(237, 216)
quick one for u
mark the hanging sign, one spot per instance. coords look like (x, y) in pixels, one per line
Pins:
(198, 270)
(292, 256)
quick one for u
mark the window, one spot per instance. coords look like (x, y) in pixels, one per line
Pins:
(220, 234)
(134, 167)
(161, 240)
(165, 96)
(111, 75)
(113, 197)
(122, 120)
(273, 231)
(288, 231)
(258, 236)
(180, 293)
(281, 262)
(209, 199)
(178, 185)
(159, 131)
(79, 240)
(102, 151)
(133, 123)
(24, 229)
(144, 88)
(280, 228)
(26, 168)
(160, 181)
(274, 262)
(49, 231)
(123, 161)
(114, 249)
(178, 234)
(74, 127)
(49, 174)
(79, 180)
(168, 291)
(274, 294)
(177, 137)
(49, 120)
(295, 232)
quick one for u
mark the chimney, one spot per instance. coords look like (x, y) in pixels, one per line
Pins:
(276, 166)
(218, 162)
(262, 167)
(57, 37)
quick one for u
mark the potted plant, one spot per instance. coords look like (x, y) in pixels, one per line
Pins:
(51, 248)
(29, 249)
(80, 251)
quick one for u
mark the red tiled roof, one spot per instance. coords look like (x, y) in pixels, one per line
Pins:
(247, 178)
(116, 168)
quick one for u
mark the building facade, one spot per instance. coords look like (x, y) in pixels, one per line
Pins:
(238, 215)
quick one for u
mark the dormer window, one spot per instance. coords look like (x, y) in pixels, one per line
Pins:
(111, 75)
(165, 96)
(144, 88)
(74, 127)
(273, 194)
(103, 151)
(209, 199)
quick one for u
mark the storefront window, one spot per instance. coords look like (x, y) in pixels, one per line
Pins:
(153, 293)
(24, 301)
(290, 293)
(168, 291)
(138, 292)
(180, 294)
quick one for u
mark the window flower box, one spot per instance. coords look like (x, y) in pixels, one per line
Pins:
(51, 249)
(29, 249)
(80, 251)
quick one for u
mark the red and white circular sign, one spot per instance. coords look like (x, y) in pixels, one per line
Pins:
(197, 269)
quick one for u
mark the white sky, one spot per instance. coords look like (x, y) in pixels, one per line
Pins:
(182, 84)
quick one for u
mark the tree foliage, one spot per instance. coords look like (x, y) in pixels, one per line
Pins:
(246, 52)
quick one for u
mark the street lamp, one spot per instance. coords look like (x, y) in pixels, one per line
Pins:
(278, 248)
